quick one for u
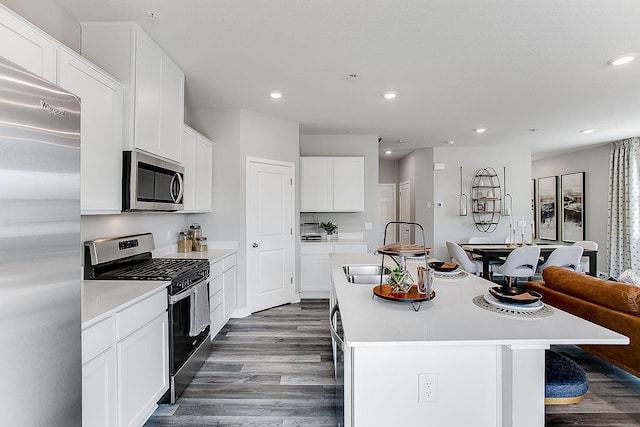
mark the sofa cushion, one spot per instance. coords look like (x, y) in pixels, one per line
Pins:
(617, 296)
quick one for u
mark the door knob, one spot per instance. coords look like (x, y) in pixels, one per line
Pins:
(255, 245)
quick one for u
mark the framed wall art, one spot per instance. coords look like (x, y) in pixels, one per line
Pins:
(572, 216)
(547, 208)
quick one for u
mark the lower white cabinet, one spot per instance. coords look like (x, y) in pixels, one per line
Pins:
(223, 292)
(315, 271)
(143, 368)
(125, 364)
(230, 287)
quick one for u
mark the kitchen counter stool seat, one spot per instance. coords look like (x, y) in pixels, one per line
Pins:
(565, 381)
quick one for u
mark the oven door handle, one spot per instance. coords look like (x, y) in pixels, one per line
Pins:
(182, 295)
(333, 327)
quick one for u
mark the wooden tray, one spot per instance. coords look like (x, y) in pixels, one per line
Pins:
(384, 291)
(404, 250)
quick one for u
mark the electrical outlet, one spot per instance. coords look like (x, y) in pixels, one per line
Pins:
(427, 388)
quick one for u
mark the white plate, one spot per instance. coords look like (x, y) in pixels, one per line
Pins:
(448, 273)
(516, 307)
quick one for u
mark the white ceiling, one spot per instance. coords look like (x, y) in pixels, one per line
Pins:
(508, 65)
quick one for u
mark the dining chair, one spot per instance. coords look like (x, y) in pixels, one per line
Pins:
(590, 246)
(479, 240)
(518, 240)
(460, 256)
(566, 257)
(521, 262)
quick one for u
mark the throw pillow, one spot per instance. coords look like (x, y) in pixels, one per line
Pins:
(628, 276)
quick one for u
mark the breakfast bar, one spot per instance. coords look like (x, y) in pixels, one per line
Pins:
(453, 362)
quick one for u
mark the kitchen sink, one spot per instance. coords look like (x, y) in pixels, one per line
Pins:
(366, 274)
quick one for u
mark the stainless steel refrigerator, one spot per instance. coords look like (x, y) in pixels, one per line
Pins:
(40, 347)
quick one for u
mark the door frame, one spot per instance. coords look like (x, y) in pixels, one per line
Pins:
(395, 208)
(247, 241)
(400, 210)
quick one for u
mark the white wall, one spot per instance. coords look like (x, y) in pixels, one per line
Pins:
(388, 171)
(351, 145)
(444, 224)
(236, 135)
(595, 163)
(50, 17)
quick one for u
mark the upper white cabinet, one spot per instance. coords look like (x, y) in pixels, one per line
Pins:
(26, 45)
(332, 184)
(197, 159)
(100, 132)
(154, 103)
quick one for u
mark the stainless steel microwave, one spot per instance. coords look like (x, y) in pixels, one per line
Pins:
(150, 183)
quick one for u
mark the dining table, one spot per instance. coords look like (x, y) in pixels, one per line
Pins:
(492, 251)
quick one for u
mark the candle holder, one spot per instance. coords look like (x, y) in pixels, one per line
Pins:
(522, 243)
(512, 232)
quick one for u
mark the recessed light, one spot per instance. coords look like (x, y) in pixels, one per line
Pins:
(534, 130)
(401, 141)
(587, 130)
(390, 95)
(275, 95)
(480, 130)
(152, 15)
(388, 152)
(622, 59)
(450, 142)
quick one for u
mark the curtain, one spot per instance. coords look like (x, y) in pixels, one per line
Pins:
(623, 234)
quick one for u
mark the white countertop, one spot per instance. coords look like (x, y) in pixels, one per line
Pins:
(315, 242)
(101, 298)
(451, 318)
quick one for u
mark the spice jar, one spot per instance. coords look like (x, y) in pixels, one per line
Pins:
(201, 244)
(194, 232)
(184, 242)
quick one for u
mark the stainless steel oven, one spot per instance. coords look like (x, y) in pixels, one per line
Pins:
(129, 258)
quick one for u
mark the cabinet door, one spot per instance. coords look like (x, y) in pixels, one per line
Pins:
(28, 47)
(230, 292)
(143, 371)
(148, 94)
(189, 138)
(316, 184)
(315, 275)
(172, 110)
(204, 174)
(348, 184)
(100, 132)
(99, 390)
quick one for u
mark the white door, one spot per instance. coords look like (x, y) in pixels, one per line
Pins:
(270, 212)
(405, 212)
(387, 201)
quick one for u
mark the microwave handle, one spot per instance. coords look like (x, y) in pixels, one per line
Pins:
(181, 185)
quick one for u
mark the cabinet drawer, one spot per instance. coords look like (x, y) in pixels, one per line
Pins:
(229, 262)
(215, 300)
(316, 249)
(140, 314)
(216, 269)
(215, 285)
(97, 339)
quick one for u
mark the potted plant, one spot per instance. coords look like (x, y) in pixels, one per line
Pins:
(330, 227)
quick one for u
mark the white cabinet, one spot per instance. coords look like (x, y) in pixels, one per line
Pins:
(332, 184)
(99, 375)
(143, 367)
(100, 132)
(223, 294)
(125, 364)
(197, 159)
(154, 103)
(26, 45)
(315, 271)
(230, 286)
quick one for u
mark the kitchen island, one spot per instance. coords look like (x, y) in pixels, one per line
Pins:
(482, 368)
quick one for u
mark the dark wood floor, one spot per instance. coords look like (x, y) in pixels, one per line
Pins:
(274, 368)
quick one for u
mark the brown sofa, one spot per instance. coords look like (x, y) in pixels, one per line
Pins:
(614, 305)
